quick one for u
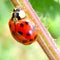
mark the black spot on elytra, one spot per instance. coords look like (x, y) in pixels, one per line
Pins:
(24, 41)
(13, 32)
(10, 25)
(31, 39)
(21, 25)
(27, 22)
(19, 32)
(28, 34)
(35, 36)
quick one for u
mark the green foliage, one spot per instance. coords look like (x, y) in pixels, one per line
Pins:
(49, 12)
(46, 7)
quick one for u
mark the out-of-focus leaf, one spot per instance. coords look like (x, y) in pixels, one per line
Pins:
(46, 7)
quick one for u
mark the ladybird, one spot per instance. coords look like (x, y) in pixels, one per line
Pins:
(22, 28)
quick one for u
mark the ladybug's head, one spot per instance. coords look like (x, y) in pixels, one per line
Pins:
(19, 14)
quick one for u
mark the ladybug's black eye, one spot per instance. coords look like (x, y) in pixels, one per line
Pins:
(18, 9)
(17, 16)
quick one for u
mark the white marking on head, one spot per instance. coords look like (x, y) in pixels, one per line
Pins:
(22, 14)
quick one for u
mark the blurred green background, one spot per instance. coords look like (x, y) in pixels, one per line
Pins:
(49, 14)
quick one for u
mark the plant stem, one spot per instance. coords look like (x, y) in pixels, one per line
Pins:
(45, 40)
(16, 3)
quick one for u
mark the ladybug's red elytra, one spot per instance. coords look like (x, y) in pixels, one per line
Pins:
(22, 28)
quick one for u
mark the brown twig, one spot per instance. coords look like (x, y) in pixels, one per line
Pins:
(16, 3)
(45, 39)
